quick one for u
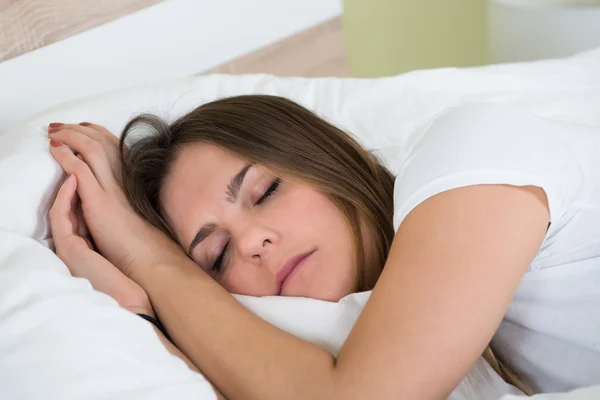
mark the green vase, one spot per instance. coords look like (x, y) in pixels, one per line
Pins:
(389, 37)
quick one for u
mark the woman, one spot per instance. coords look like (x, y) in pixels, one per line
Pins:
(262, 198)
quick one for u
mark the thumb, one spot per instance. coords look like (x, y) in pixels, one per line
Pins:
(60, 221)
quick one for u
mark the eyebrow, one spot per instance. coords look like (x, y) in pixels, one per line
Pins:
(233, 191)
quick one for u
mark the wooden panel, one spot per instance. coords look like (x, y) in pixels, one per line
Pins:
(26, 25)
(319, 51)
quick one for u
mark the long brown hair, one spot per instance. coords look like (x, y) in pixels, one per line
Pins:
(283, 136)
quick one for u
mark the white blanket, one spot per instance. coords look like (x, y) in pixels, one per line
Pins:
(59, 339)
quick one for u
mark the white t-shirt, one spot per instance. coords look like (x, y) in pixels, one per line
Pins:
(551, 331)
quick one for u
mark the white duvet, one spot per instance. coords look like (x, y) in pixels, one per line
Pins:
(59, 339)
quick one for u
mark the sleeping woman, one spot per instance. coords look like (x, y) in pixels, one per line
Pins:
(489, 230)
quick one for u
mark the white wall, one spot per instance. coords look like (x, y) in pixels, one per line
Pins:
(172, 39)
(524, 30)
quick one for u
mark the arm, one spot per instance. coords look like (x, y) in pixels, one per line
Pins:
(454, 265)
(177, 353)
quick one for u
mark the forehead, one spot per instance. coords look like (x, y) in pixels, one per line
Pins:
(196, 183)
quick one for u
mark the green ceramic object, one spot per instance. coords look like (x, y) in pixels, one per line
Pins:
(388, 37)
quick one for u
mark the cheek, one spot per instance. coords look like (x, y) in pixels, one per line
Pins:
(311, 210)
(323, 225)
(323, 221)
(247, 280)
(331, 278)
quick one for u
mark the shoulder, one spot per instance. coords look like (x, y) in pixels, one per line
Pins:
(479, 126)
(478, 144)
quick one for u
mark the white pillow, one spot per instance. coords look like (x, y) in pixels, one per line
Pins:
(62, 340)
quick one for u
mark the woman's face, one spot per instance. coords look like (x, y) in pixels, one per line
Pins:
(256, 233)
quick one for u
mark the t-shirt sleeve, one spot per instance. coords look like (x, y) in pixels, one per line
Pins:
(487, 144)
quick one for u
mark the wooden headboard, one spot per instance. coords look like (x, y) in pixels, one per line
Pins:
(26, 25)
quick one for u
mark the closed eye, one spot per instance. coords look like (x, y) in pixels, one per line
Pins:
(219, 261)
(270, 191)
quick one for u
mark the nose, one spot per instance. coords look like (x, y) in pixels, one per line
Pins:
(255, 243)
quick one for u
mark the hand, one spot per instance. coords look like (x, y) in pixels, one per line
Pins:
(76, 251)
(121, 235)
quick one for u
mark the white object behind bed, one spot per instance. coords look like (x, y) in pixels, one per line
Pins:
(62, 340)
(170, 39)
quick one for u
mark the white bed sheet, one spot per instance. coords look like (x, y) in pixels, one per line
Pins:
(62, 340)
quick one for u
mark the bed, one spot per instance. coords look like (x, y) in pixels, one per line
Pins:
(63, 340)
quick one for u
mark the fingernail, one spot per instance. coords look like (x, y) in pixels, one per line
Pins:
(55, 143)
(53, 130)
(55, 124)
(85, 123)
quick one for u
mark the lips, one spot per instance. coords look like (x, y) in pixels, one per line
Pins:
(288, 267)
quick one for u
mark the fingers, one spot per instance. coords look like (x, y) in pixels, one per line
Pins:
(60, 223)
(63, 224)
(80, 224)
(92, 151)
(88, 186)
(96, 132)
(101, 130)
(109, 142)
(106, 134)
